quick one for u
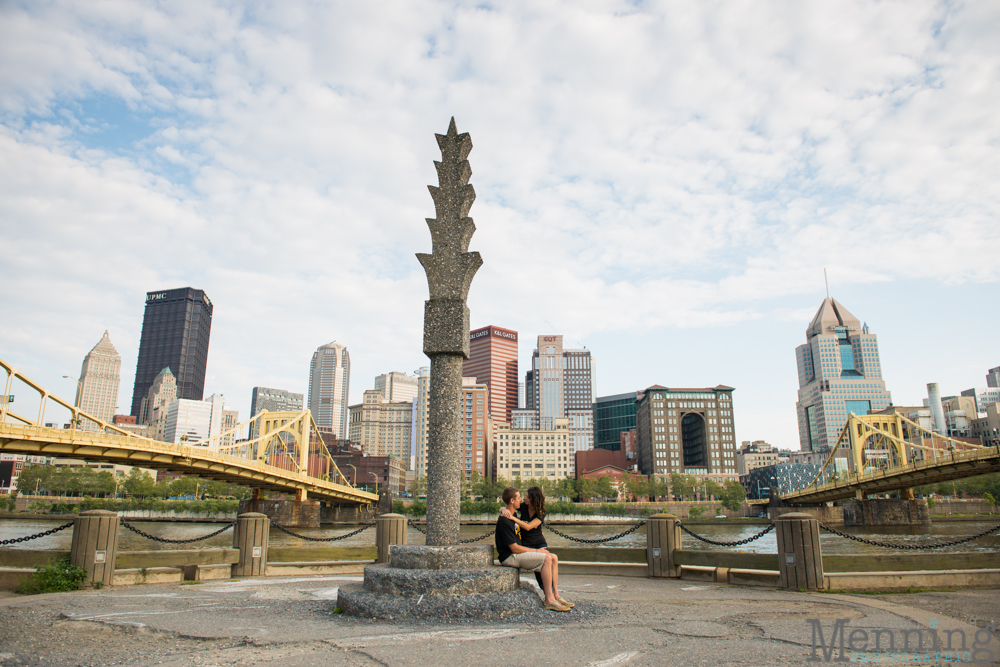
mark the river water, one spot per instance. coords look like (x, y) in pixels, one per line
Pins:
(831, 544)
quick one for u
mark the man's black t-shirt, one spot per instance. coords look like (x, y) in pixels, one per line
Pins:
(533, 538)
(507, 533)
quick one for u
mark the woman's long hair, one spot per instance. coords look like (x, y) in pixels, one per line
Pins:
(536, 499)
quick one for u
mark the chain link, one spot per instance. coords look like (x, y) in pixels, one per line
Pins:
(28, 538)
(418, 528)
(601, 541)
(727, 544)
(168, 541)
(914, 547)
(324, 539)
(476, 539)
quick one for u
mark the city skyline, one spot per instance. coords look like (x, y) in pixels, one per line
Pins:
(673, 217)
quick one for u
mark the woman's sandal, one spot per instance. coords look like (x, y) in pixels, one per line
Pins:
(565, 603)
(556, 607)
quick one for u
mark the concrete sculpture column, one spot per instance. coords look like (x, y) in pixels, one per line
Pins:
(450, 269)
(390, 529)
(95, 545)
(799, 557)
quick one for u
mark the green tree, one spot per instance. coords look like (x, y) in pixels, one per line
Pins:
(139, 484)
(712, 488)
(681, 486)
(732, 496)
(603, 488)
(585, 489)
(419, 486)
(695, 511)
(566, 488)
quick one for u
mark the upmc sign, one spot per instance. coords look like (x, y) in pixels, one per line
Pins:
(156, 296)
(493, 333)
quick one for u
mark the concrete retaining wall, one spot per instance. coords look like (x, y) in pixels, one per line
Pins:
(886, 512)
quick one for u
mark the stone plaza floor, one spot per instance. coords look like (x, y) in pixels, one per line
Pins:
(623, 621)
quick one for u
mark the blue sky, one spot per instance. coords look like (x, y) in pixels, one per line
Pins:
(663, 183)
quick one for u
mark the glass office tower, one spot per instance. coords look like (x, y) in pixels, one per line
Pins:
(175, 331)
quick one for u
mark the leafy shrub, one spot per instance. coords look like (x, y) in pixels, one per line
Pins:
(397, 507)
(930, 503)
(695, 512)
(480, 507)
(649, 510)
(612, 509)
(59, 575)
(418, 508)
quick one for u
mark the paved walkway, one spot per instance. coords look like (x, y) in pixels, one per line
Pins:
(618, 622)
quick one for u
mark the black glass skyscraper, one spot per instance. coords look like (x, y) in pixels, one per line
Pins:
(175, 332)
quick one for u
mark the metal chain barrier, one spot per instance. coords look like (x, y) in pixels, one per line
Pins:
(324, 539)
(476, 539)
(914, 547)
(606, 539)
(168, 541)
(727, 544)
(28, 538)
(418, 528)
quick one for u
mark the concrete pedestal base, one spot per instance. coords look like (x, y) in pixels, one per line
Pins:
(443, 581)
(886, 512)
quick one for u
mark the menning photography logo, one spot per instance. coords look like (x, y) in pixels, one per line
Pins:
(927, 645)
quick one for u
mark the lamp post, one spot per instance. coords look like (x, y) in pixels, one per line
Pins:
(376, 481)
(354, 479)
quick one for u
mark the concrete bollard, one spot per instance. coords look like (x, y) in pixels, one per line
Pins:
(390, 529)
(250, 537)
(663, 535)
(799, 557)
(95, 545)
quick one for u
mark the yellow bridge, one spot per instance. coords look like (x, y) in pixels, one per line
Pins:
(892, 453)
(277, 460)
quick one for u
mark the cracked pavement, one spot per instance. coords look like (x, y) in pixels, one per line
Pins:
(618, 621)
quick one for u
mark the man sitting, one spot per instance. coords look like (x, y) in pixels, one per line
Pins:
(514, 554)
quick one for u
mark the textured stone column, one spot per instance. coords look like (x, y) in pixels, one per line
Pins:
(250, 537)
(663, 535)
(799, 557)
(95, 545)
(390, 530)
(450, 269)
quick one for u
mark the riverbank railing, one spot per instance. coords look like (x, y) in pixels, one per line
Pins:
(798, 563)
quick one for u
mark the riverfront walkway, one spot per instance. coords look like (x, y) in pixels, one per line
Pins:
(631, 622)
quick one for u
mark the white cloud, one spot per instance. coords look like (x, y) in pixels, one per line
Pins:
(639, 169)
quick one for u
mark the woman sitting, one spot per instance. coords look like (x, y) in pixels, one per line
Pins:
(532, 518)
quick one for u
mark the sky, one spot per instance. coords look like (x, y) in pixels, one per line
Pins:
(662, 183)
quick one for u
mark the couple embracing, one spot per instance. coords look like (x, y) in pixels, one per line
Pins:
(520, 543)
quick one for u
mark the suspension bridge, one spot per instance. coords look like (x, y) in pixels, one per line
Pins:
(890, 453)
(288, 454)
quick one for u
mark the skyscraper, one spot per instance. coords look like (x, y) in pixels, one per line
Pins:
(477, 442)
(329, 380)
(839, 373)
(612, 416)
(560, 384)
(993, 377)
(155, 404)
(689, 431)
(396, 386)
(175, 332)
(97, 393)
(383, 427)
(493, 362)
(272, 400)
